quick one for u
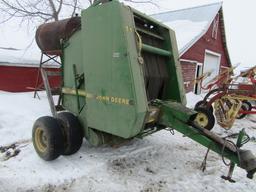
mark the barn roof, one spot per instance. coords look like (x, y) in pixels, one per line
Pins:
(9, 55)
(19, 58)
(17, 45)
(190, 24)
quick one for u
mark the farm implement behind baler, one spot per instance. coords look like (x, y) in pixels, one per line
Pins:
(229, 98)
(121, 80)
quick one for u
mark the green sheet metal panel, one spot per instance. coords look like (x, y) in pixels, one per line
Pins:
(72, 56)
(118, 105)
(176, 90)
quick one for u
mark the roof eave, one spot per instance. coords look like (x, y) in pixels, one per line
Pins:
(185, 49)
(223, 35)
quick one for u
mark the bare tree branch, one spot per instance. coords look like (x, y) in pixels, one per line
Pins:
(60, 6)
(34, 11)
(91, 1)
(74, 8)
(54, 11)
(37, 10)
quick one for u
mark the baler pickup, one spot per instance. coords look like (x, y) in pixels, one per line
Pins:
(120, 70)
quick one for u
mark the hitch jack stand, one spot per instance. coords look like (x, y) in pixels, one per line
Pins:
(239, 144)
(230, 173)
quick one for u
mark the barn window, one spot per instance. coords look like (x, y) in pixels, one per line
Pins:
(215, 27)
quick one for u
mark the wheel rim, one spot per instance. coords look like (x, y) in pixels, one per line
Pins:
(40, 139)
(202, 119)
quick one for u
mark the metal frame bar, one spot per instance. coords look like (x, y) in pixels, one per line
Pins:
(48, 92)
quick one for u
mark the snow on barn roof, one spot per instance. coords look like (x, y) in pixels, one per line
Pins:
(22, 58)
(189, 24)
(13, 56)
(17, 44)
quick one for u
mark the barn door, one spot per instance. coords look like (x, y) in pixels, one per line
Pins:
(199, 71)
(211, 64)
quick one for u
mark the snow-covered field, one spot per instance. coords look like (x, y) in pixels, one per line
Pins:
(159, 163)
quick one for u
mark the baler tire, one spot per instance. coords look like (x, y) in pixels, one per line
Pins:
(203, 104)
(47, 137)
(205, 118)
(73, 132)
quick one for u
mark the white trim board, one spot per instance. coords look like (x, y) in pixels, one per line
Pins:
(189, 61)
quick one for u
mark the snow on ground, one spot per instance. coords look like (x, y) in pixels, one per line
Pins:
(17, 115)
(159, 163)
(192, 99)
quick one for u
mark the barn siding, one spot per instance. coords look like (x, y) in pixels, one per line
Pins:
(21, 79)
(188, 73)
(197, 53)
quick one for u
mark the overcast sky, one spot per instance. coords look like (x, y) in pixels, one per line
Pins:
(239, 18)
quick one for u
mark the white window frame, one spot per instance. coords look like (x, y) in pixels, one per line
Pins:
(187, 83)
(197, 64)
(215, 54)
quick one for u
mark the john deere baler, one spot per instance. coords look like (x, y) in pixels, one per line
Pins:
(121, 80)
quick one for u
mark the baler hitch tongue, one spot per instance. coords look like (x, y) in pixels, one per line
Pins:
(180, 118)
(251, 173)
(248, 162)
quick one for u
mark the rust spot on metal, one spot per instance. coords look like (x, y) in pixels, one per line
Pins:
(49, 35)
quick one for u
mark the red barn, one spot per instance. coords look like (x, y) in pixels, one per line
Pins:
(20, 75)
(201, 41)
(15, 77)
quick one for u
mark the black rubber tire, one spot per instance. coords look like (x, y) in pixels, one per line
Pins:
(207, 115)
(203, 104)
(73, 132)
(248, 105)
(48, 138)
(241, 115)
